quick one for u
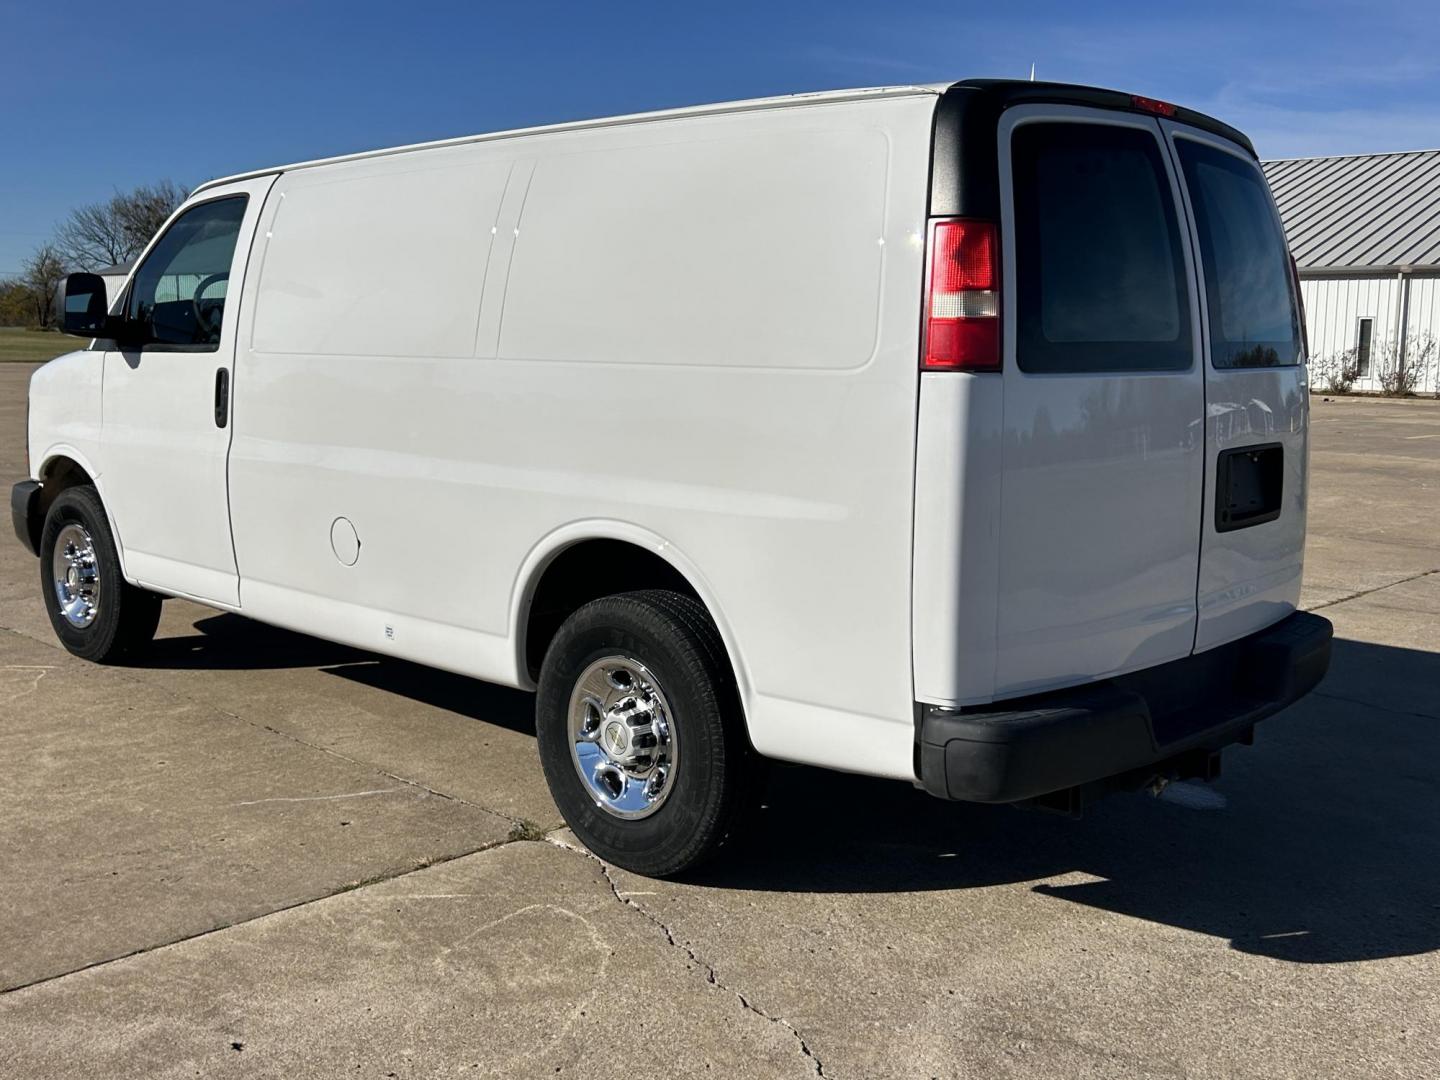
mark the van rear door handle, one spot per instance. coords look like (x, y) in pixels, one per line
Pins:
(222, 396)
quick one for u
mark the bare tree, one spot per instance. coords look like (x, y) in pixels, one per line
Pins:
(1400, 374)
(1337, 372)
(42, 274)
(147, 208)
(1427, 358)
(93, 236)
(101, 234)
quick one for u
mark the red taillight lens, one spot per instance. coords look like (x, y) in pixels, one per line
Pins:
(962, 304)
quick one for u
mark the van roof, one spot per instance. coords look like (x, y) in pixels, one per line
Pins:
(999, 94)
(824, 97)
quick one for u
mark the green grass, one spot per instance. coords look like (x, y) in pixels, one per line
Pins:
(31, 346)
(525, 829)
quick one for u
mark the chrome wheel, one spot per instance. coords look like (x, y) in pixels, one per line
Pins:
(622, 738)
(76, 574)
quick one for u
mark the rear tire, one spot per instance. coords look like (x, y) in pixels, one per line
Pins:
(96, 613)
(640, 732)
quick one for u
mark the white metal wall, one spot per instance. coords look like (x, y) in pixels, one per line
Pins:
(1334, 306)
(1425, 317)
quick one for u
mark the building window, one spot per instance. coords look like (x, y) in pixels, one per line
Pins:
(1362, 347)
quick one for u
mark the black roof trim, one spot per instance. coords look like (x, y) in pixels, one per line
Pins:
(964, 170)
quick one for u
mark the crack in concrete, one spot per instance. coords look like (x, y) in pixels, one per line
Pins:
(709, 971)
(1374, 705)
(521, 824)
(340, 891)
(36, 671)
(1377, 588)
(319, 798)
(514, 821)
(523, 830)
(710, 976)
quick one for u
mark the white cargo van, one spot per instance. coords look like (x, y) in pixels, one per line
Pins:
(952, 434)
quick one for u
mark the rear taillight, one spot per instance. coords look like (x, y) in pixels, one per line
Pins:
(962, 302)
(1300, 307)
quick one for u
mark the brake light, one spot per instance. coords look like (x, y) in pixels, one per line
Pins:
(962, 303)
(1300, 308)
(1151, 105)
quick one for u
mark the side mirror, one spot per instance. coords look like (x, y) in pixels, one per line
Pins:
(87, 309)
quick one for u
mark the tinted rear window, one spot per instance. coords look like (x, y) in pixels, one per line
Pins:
(1099, 269)
(1253, 320)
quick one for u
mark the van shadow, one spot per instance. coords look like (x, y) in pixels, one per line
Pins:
(234, 643)
(1328, 850)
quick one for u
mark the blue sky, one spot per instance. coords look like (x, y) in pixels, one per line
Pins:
(99, 96)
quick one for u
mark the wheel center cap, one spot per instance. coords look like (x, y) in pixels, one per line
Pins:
(615, 738)
(72, 577)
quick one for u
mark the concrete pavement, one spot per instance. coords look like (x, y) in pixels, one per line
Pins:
(263, 855)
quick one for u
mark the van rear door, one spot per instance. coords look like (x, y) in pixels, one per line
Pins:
(1253, 526)
(1102, 443)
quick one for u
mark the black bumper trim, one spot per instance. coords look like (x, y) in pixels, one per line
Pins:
(1052, 742)
(25, 514)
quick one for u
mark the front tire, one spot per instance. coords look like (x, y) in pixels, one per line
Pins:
(96, 613)
(640, 732)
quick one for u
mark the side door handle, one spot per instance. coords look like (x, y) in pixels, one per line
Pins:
(222, 396)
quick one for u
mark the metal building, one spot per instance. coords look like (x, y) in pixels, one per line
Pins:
(1365, 233)
(114, 277)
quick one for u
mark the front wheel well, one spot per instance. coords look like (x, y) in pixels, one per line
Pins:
(57, 475)
(587, 571)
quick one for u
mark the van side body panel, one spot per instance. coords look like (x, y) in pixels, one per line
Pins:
(65, 412)
(705, 329)
(63, 424)
(958, 474)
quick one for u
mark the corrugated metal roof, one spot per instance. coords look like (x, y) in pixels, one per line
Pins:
(1376, 211)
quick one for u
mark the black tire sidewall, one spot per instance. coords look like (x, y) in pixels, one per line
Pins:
(693, 819)
(102, 638)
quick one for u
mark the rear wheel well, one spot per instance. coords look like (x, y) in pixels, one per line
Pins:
(587, 571)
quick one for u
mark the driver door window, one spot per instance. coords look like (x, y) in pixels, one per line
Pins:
(177, 297)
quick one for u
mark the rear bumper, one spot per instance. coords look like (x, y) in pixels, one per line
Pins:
(25, 514)
(1122, 727)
